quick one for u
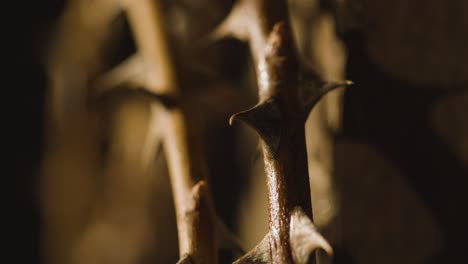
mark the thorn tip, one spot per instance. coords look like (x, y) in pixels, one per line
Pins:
(232, 119)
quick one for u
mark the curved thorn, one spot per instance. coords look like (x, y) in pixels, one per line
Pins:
(166, 100)
(304, 237)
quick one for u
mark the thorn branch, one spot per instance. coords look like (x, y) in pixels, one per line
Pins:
(286, 96)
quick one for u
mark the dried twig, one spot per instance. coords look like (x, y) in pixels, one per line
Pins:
(287, 93)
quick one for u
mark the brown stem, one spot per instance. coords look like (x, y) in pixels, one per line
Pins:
(280, 122)
(285, 99)
(194, 210)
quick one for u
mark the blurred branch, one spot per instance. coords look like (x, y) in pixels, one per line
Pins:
(196, 220)
(151, 73)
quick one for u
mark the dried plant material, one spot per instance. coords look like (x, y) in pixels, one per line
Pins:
(105, 129)
(286, 95)
(196, 219)
(311, 92)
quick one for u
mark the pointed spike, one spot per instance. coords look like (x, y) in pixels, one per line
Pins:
(258, 255)
(304, 237)
(243, 116)
(247, 116)
(234, 117)
(312, 87)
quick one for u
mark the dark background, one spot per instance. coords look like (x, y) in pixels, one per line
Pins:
(23, 101)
